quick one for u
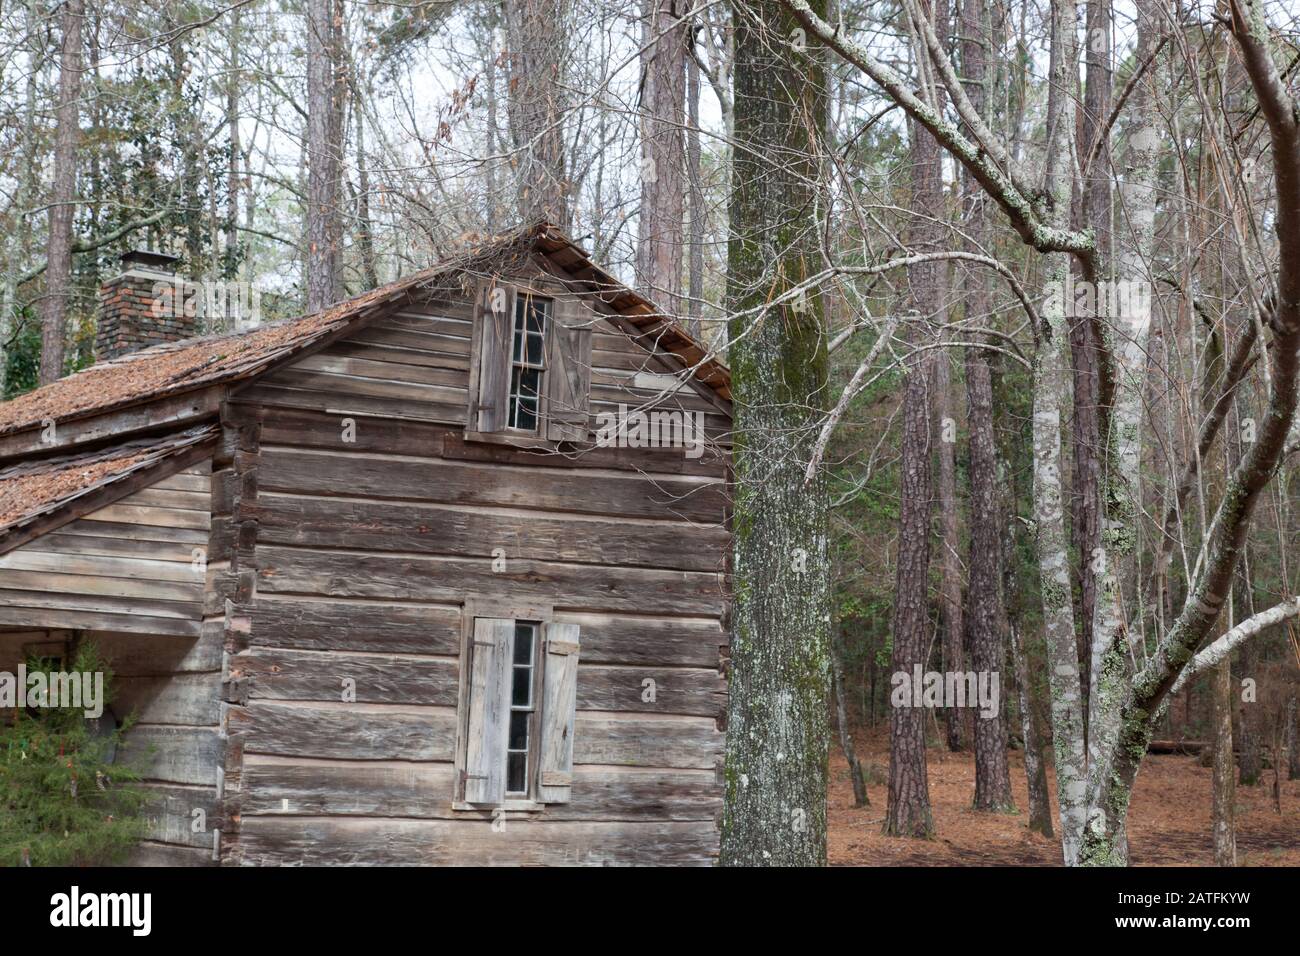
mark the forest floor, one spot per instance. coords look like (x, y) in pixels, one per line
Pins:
(1169, 824)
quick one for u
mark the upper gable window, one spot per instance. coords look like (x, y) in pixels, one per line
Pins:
(530, 364)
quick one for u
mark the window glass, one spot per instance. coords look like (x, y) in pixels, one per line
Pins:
(527, 361)
(519, 739)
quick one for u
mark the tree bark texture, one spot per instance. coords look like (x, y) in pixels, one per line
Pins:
(58, 271)
(323, 161)
(907, 811)
(1222, 811)
(950, 590)
(536, 60)
(663, 157)
(778, 733)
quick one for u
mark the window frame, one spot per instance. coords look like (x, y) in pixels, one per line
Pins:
(539, 615)
(524, 296)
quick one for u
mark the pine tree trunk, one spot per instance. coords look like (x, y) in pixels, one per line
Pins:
(19, 243)
(987, 616)
(695, 177)
(907, 812)
(236, 151)
(536, 33)
(992, 773)
(365, 227)
(950, 589)
(778, 732)
(322, 162)
(58, 271)
(663, 199)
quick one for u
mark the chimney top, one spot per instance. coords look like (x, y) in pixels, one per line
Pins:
(142, 305)
(150, 260)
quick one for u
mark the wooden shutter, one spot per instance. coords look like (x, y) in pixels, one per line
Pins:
(489, 710)
(559, 701)
(494, 310)
(568, 376)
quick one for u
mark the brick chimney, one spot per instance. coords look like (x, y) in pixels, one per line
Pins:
(142, 306)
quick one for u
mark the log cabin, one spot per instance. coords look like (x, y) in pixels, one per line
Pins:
(394, 583)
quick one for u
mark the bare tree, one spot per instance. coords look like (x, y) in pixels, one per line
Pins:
(1095, 773)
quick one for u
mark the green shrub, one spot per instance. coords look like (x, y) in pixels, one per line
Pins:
(62, 803)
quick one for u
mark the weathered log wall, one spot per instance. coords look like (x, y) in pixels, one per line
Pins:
(136, 565)
(131, 577)
(374, 520)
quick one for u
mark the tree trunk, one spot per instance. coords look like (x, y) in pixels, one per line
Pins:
(322, 158)
(1040, 802)
(1293, 739)
(778, 734)
(1250, 760)
(907, 811)
(987, 615)
(695, 177)
(19, 243)
(860, 798)
(1085, 333)
(1128, 331)
(1223, 811)
(663, 197)
(992, 774)
(535, 66)
(1048, 396)
(236, 151)
(950, 589)
(365, 227)
(58, 270)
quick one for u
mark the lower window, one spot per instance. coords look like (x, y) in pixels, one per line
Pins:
(517, 712)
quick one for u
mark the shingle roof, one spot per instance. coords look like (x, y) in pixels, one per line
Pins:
(181, 366)
(29, 490)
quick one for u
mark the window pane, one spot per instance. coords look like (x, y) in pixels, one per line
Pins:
(517, 773)
(521, 694)
(527, 417)
(517, 349)
(524, 643)
(536, 315)
(534, 349)
(519, 730)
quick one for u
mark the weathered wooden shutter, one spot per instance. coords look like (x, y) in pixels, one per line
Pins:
(568, 377)
(489, 710)
(494, 310)
(559, 701)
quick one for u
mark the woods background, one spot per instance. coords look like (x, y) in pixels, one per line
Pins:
(1010, 292)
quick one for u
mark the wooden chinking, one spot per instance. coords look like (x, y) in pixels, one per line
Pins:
(318, 698)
